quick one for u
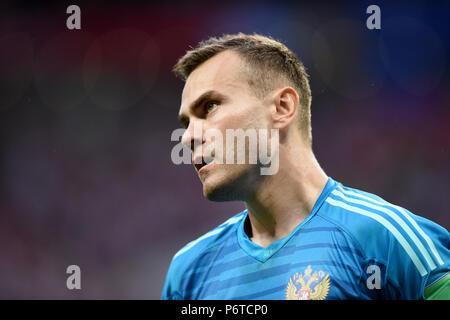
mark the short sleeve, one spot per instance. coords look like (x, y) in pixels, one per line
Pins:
(418, 262)
(170, 289)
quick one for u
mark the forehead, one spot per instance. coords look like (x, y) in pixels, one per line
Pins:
(222, 73)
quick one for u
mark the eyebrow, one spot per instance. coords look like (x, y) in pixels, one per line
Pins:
(208, 95)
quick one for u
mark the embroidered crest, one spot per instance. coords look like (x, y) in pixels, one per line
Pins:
(308, 286)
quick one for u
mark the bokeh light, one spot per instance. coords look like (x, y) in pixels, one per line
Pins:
(120, 67)
(413, 54)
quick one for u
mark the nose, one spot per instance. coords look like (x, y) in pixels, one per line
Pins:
(193, 136)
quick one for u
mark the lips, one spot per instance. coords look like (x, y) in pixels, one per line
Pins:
(200, 162)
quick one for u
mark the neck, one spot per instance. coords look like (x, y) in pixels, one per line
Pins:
(285, 199)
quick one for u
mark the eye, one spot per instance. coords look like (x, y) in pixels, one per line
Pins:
(210, 106)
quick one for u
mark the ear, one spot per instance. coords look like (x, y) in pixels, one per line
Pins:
(285, 105)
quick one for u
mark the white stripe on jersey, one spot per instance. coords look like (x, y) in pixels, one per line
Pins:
(397, 219)
(415, 259)
(406, 215)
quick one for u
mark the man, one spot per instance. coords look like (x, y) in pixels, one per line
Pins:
(303, 234)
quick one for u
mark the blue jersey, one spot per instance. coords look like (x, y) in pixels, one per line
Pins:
(353, 245)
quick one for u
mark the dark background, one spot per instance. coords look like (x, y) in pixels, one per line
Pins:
(86, 116)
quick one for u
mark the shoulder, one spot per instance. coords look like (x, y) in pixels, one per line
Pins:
(386, 231)
(194, 250)
(210, 238)
(363, 216)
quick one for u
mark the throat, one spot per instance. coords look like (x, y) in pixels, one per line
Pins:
(264, 237)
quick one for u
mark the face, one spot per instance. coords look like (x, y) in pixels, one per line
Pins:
(217, 96)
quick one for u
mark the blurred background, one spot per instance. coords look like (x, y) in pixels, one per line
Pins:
(86, 116)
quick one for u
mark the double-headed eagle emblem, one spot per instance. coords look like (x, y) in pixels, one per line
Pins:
(308, 286)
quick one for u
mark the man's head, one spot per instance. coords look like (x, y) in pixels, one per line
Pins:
(241, 82)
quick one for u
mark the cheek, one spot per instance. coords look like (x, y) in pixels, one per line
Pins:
(234, 117)
(242, 117)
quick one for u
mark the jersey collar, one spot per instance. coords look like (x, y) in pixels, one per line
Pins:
(263, 254)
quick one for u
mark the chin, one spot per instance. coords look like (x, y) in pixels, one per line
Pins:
(236, 184)
(217, 195)
(219, 191)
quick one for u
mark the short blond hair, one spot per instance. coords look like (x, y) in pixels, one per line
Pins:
(269, 62)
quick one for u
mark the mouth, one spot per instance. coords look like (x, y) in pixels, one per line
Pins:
(202, 163)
